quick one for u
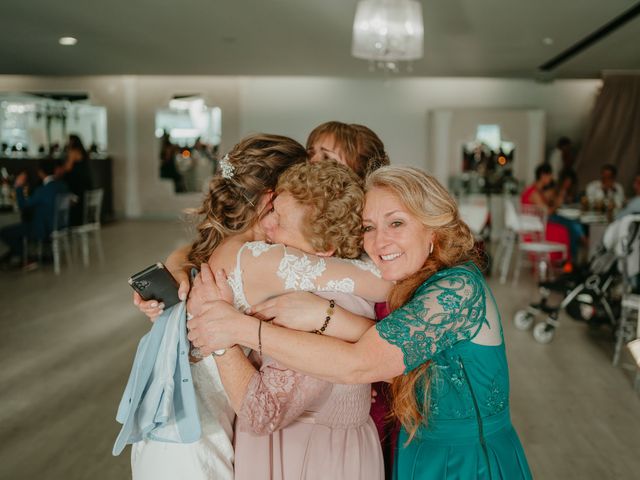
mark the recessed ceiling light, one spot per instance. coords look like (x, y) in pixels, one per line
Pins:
(67, 41)
(547, 41)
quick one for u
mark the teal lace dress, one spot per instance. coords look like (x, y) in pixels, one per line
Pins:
(468, 432)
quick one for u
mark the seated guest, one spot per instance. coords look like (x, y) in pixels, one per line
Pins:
(634, 204)
(77, 176)
(606, 191)
(38, 209)
(567, 190)
(542, 194)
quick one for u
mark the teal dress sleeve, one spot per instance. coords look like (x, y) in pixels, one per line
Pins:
(447, 309)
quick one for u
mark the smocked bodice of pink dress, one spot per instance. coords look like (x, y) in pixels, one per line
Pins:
(292, 426)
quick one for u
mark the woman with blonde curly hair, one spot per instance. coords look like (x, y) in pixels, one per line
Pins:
(442, 343)
(291, 425)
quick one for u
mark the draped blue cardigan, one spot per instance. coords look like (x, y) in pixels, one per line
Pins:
(159, 401)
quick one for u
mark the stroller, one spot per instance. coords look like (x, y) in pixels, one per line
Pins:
(592, 293)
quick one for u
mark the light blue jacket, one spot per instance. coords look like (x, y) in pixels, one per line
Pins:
(159, 401)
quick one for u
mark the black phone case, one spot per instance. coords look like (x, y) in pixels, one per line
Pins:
(156, 283)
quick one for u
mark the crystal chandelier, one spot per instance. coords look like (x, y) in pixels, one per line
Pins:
(387, 32)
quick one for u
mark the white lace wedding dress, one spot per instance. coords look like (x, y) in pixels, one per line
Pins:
(283, 269)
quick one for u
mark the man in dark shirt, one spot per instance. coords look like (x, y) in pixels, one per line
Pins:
(37, 209)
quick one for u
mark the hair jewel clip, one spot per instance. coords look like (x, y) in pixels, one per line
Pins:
(226, 167)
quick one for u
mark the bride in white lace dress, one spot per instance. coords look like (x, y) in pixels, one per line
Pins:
(236, 200)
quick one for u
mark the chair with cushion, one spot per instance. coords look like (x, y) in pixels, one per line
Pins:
(525, 229)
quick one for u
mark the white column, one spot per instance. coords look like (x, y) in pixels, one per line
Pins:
(439, 163)
(132, 205)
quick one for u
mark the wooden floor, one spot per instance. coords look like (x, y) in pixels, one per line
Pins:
(66, 345)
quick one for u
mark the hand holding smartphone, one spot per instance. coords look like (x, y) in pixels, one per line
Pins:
(156, 283)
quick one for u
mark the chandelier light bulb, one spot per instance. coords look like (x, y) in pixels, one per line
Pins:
(67, 41)
(387, 32)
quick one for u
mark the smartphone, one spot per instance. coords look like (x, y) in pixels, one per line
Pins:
(156, 283)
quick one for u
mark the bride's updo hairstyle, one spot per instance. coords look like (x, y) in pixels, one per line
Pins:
(453, 244)
(247, 172)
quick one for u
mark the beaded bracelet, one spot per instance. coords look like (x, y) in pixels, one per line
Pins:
(332, 304)
(260, 337)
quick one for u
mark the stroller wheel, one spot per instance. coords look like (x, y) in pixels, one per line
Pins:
(523, 320)
(543, 332)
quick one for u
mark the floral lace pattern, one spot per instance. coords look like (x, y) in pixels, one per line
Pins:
(299, 273)
(446, 312)
(234, 279)
(448, 308)
(367, 265)
(275, 397)
(258, 248)
(346, 285)
(497, 397)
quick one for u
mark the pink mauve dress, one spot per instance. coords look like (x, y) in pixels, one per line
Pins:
(292, 426)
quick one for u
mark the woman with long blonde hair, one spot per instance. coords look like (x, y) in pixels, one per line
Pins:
(442, 344)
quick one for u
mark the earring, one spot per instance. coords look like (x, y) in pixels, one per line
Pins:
(431, 249)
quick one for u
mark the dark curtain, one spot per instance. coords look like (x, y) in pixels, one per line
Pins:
(613, 132)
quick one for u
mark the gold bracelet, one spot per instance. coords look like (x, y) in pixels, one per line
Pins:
(332, 305)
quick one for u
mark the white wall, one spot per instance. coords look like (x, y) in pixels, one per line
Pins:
(450, 130)
(397, 109)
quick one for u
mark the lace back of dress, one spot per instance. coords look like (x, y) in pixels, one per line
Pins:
(235, 282)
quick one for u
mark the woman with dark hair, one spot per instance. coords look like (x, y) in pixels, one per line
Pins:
(77, 177)
(351, 144)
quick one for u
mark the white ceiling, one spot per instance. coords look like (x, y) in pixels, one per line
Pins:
(489, 38)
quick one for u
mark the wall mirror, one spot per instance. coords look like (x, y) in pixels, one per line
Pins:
(487, 161)
(37, 124)
(189, 133)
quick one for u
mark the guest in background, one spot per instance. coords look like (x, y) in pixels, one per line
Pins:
(634, 204)
(202, 166)
(606, 192)
(562, 156)
(543, 195)
(77, 177)
(567, 189)
(168, 167)
(37, 209)
(54, 149)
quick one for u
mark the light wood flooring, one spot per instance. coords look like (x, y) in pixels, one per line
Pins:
(67, 342)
